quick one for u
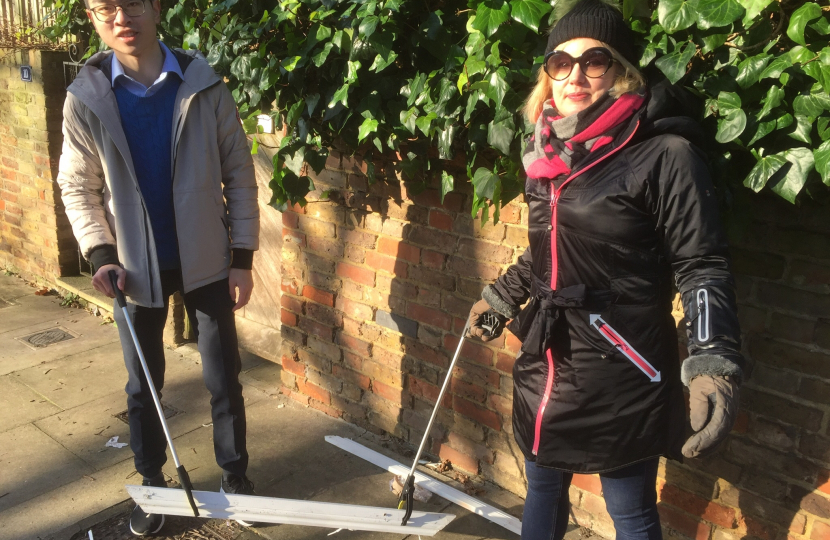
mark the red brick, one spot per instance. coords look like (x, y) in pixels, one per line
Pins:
(294, 236)
(511, 342)
(355, 310)
(331, 411)
(353, 361)
(292, 304)
(290, 286)
(432, 259)
(698, 506)
(417, 387)
(420, 351)
(389, 393)
(314, 328)
(287, 318)
(324, 314)
(440, 220)
(357, 345)
(503, 405)
(387, 264)
(351, 376)
(290, 220)
(432, 197)
(356, 273)
(477, 374)
(430, 316)
(823, 483)
(317, 295)
(759, 529)
(504, 362)
(296, 396)
(467, 390)
(684, 524)
(511, 214)
(462, 461)
(400, 250)
(476, 412)
(315, 392)
(821, 531)
(358, 238)
(470, 350)
(292, 366)
(588, 482)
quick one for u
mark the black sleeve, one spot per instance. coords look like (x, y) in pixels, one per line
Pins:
(102, 255)
(242, 258)
(511, 289)
(687, 216)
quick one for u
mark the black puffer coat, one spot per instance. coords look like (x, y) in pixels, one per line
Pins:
(597, 385)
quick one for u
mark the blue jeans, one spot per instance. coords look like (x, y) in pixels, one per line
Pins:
(630, 497)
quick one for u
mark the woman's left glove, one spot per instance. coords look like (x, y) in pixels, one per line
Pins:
(713, 403)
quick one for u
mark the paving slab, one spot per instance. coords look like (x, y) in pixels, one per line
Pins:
(32, 310)
(65, 505)
(78, 378)
(33, 464)
(90, 334)
(12, 287)
(21, 405)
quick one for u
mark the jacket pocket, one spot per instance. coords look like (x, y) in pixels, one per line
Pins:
(622, 346)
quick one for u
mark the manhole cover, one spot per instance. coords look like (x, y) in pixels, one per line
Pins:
(45, 338)
(169, 412)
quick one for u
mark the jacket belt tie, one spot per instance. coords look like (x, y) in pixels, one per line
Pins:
(536, 323)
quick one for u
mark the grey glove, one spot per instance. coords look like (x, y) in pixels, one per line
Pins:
(713, 403)
(480, 312)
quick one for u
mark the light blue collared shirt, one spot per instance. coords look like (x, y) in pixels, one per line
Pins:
(170, 65)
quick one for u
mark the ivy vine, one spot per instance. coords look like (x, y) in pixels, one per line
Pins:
(440, 80)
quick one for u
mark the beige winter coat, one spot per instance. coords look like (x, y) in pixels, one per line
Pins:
(214, 187)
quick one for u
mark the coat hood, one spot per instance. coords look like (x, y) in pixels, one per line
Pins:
(672, 110)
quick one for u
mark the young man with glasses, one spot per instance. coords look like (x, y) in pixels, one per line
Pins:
(158, 183)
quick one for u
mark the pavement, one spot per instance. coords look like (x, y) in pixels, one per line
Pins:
(62, 398)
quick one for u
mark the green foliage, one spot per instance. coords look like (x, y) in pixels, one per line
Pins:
(441, 80)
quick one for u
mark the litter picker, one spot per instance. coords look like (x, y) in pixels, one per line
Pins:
(490, 324)
(158, 500)
(184, 479)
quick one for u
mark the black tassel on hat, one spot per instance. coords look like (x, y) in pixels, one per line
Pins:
(594, 19)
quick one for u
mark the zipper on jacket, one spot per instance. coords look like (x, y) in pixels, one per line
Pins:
(702, 315)
(554, 275)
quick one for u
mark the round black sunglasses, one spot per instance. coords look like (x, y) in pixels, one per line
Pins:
(595, 62)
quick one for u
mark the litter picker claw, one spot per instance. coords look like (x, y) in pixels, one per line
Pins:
(184, 479)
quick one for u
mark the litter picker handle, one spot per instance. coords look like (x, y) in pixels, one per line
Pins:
(119, 296)
(184, 479)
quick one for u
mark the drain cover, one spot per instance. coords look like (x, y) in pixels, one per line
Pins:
(169, 412)
(46, 337)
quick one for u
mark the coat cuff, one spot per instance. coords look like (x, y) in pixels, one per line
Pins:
(709, 364)
(496, 302)
(102, 255)
(243, 259)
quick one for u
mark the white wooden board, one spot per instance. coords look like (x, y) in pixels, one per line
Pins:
(171, 501)
(460, 498)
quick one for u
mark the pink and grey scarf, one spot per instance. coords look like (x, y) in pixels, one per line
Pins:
(558, 143)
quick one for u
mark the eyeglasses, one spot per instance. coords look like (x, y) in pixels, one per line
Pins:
(108, 12)
(595, 63)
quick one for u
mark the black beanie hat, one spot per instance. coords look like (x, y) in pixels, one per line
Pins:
(594, 19)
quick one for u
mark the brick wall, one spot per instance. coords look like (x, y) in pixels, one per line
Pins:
(35, 236)
(376, 287)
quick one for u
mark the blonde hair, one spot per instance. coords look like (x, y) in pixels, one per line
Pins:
(632, 80)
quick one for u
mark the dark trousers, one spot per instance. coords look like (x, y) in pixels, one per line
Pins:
(630, 497)
(211, 317)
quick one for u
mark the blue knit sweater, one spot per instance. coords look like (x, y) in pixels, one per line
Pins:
(148, 124)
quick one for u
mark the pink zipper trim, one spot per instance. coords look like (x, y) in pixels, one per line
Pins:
(554, 275)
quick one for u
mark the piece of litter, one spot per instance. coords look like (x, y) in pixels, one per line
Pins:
(90, 535)
(334, 532)
(207, 425)
(421, 494)
(281, 405)
(113, 443)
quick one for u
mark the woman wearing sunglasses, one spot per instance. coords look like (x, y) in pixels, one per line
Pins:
(621, 208)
